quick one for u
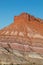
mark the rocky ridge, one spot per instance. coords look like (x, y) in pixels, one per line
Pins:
(22, 41)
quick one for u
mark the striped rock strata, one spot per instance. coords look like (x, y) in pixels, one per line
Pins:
(22, 40)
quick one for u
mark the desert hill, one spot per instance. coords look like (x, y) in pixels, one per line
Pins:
(22, 41)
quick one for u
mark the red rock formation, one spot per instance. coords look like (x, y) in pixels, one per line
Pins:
(24, 34)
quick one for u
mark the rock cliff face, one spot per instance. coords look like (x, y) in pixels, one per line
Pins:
(22, 41)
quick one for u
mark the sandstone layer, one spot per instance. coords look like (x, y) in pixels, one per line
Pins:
(22, 41)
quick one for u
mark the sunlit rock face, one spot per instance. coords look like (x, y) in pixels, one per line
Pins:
(22, 41)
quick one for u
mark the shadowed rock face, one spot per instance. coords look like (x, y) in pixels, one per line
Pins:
(22, 40)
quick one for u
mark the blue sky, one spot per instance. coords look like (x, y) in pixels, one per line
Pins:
(10, 8)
